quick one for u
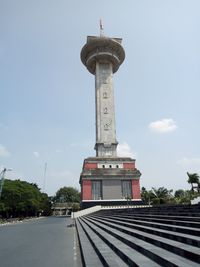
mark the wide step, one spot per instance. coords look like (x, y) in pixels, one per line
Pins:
(139, 237)
(129, 256)
(184, 250)
(156, 229)
(104, 252)
(155, 253)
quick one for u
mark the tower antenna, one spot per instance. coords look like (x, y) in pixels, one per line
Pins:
(44, 181)
(101, 28)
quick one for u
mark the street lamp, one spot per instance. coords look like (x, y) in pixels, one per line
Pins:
(2, 176)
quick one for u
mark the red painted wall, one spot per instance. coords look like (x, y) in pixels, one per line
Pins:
(86, 190)
(88, 166)
(136, 189)
(129, 166)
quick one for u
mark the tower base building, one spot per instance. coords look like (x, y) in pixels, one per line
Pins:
(106, 179)
(109, 182)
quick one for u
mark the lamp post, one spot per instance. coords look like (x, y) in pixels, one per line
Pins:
(2, 176)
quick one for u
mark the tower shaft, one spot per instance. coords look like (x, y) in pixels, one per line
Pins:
(106, 143)
(102, 56)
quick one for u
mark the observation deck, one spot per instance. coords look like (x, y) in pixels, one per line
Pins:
(103, 50)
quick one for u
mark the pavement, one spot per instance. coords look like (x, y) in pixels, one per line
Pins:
(44, 242)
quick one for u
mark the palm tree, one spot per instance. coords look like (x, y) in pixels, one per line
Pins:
(193, 178)
(162, 194)
(146, 195)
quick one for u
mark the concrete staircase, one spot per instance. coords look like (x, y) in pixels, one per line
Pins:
(156, 236)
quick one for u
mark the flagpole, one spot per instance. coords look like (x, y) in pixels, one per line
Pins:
(101, 28)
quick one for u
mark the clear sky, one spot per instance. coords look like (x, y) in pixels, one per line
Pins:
(47, 94)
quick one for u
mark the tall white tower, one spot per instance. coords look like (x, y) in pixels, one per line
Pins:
(102, 56)
(106, 179)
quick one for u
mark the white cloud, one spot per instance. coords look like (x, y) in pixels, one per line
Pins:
(36, 154)
(3, 151)
(189, 161)
(163, 126)
(124, 150)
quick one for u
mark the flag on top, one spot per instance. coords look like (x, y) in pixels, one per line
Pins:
(101, 25)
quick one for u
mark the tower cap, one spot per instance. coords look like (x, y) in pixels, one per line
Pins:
(102, 49)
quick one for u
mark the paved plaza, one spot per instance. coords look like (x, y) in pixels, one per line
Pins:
(46, 242)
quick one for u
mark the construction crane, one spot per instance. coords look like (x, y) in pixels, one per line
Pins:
(2, 178)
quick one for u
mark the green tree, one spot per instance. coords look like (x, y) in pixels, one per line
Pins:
(184, 196)
(67, 194)
(180, 193)
(162, 195)
(20, 198)
(193, 178)
(146, 195)
(45, 204)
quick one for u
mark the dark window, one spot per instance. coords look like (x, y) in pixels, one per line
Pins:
(110, 166)
(103, 166)
(96, 190)
(126, 189)
(117, 166)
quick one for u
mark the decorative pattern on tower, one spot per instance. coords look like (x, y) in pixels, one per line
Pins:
(102, 56)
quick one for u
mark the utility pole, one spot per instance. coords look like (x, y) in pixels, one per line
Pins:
(2, 177)
(44, 180)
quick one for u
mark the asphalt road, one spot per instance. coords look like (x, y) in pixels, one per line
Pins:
(43, 242)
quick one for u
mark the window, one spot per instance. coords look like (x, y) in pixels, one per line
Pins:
(110, 166)
(96, 190)
(103, 166)
(126, 189)
(117, 166)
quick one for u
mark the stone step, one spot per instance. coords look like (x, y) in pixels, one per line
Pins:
(129, 255)
(89, 256)
(172, 208)
(194, 215)
(152, 251)
(184, 250)
(162, 215)
(183, 238)
(179, 229)
(104, 252)
(162, 220)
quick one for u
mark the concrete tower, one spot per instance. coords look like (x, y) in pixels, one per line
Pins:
(102, 56)
(106, 179)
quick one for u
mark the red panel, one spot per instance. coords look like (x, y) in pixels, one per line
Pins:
(129, 165)
(136, 189)
(86, 190)
(88, 166)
